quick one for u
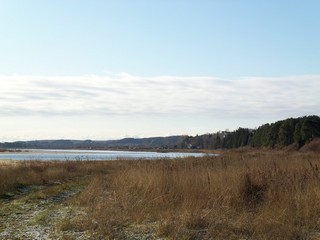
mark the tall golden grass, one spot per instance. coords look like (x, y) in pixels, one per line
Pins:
(238, 195)
(241, 194)
(14, 174)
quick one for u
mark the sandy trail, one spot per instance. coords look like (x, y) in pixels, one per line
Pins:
(38, 212)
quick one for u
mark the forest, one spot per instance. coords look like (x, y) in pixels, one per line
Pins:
(298, 131)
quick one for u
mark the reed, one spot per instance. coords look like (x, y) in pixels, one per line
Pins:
(22, 173)
(240, 194)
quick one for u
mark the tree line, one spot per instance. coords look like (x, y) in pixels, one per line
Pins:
(282, 133)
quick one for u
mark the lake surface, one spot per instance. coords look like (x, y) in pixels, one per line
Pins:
(63, 155)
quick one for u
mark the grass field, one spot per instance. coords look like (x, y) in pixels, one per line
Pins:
(242, 194)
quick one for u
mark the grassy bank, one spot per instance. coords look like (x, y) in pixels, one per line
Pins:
(249, 195)
(15, 174)
(238, 195)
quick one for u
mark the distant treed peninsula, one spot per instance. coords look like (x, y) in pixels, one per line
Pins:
(292, 131)
(295, 132)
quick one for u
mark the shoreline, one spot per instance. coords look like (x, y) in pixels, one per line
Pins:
(76, 154)
(72, 150)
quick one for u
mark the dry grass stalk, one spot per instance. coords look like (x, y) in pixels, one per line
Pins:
(241, 194)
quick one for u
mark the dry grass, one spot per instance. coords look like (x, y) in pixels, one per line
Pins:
(14, 174)
(241, 194)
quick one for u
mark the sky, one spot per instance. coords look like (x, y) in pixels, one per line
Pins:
(138, 68)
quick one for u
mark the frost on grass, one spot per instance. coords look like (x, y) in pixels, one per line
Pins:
(39, 214)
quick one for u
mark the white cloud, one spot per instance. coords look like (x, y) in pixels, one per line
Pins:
(124, 94)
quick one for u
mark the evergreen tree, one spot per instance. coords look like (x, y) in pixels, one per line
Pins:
(286, 133)
(297, 134)
(274, 134)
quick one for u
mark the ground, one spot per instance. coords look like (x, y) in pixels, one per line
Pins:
(40, 212)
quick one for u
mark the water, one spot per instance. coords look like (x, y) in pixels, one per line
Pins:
(62, 155)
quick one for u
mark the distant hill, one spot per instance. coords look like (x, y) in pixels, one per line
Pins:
(126, 143)
(296, 132)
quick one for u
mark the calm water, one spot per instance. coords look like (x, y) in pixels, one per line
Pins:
(36, 154)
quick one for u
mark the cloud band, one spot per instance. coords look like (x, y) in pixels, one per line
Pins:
(124, 94)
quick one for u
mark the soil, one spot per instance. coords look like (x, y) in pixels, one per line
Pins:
(38, 212)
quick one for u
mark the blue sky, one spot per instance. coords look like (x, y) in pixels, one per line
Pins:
(109, 69)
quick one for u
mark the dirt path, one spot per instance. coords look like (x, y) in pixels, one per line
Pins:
(40, 212)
